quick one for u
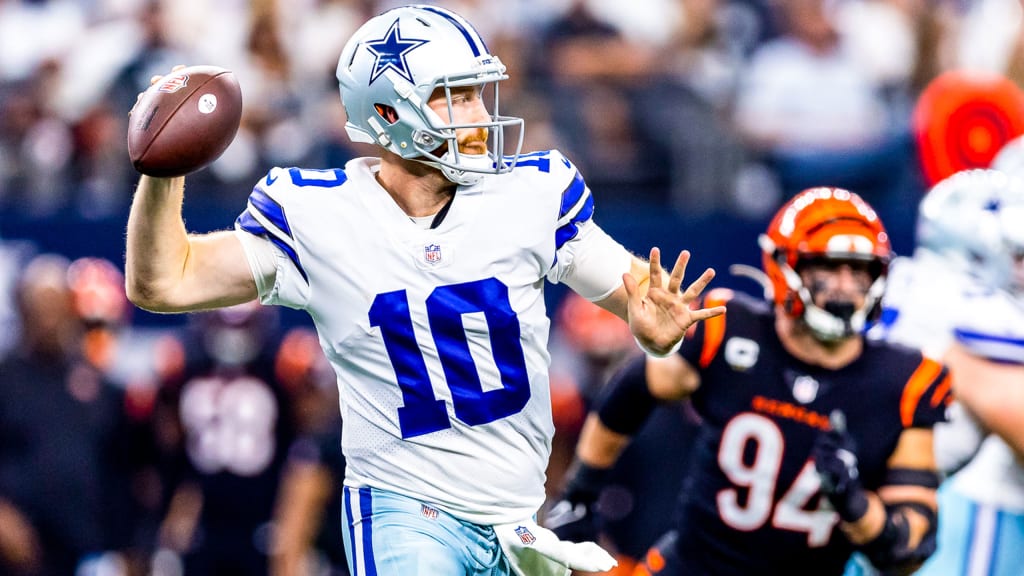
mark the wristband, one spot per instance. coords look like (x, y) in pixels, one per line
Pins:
(653, 354)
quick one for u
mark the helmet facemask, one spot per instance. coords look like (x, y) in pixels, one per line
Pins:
(438, 142)
(839, 317)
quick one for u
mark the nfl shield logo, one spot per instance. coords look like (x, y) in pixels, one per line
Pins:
(174, 83)
(428, 512)
(525, 535)
(432, 253)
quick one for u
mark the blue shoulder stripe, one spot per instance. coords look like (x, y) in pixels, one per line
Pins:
(269, 209)
(999, 348)
(569, 230)
(571, 196)
(247, 222)
(576, 198)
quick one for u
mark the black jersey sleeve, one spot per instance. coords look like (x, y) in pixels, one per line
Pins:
(926, 394)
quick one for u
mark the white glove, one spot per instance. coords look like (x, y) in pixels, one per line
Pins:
(537, 551)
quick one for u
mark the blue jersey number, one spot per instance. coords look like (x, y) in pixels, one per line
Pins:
(446, 305)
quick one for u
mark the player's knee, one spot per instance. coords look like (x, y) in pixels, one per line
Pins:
(416, 554)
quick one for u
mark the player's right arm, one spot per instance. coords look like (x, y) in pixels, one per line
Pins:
(169, 270)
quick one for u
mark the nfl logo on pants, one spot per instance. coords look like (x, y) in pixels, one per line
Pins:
(525, 535)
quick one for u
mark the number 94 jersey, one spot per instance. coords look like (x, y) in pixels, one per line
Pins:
(751, 503)
(438, 335)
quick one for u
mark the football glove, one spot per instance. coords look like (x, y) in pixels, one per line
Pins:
(835, 458)
(574, 516)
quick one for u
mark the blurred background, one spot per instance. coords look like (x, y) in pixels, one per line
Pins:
(691, 120)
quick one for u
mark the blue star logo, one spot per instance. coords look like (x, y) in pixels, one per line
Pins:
(390, 52)
(993, 205)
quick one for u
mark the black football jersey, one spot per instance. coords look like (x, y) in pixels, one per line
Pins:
(236, 426)
(751, 502)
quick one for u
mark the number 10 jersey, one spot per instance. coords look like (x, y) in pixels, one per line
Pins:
(438, 336)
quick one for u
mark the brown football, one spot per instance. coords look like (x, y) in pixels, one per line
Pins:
(185, 121)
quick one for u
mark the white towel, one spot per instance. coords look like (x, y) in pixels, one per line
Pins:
(537, 551)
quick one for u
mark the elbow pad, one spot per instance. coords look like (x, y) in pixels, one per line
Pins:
(892, 546)
(627, 402)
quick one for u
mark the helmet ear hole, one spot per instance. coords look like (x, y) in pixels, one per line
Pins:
(388, 113)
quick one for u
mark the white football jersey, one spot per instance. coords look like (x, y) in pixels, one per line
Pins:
(928, 305)
(992, 325)
(438, 335)
(917, 308)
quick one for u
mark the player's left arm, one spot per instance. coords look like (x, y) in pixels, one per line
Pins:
(657, 309)
(903, 518)
(598, 268)
(991, 391)
(894, 526)
(640, 292)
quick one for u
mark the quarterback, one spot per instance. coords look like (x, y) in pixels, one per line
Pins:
(423, 271)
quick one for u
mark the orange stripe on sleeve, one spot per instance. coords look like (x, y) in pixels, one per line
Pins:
(941, 394)
(714, 328)
(915, 387)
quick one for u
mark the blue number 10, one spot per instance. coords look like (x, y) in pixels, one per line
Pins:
(422, 412)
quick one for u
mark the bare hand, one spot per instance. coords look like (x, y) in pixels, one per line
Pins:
(660, 318)
(153, 80)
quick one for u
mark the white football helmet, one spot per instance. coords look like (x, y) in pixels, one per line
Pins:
(959, 218)
(1010, 158)
(1003, 267)
(388, 71)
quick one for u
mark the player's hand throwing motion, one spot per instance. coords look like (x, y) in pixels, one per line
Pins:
(660, 316)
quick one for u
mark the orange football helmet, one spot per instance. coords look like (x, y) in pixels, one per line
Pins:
(830, 223)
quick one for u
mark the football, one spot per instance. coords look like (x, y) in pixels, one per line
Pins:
(184, 121)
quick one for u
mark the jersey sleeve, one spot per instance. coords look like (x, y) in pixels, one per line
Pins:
(587, 259)
(991, 325)
(926, 395)
(269, 243)
(702, 342)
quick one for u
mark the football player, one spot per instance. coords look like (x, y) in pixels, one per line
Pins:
(424, 271)
(970, 230)
(225, 416)
(815, 442)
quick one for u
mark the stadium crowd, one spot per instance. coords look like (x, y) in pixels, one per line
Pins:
(684, 115)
